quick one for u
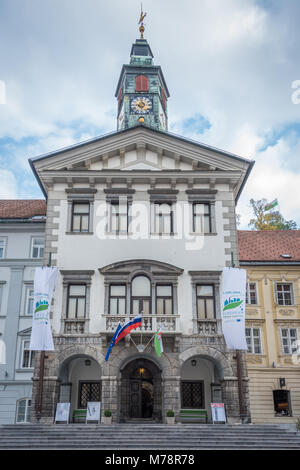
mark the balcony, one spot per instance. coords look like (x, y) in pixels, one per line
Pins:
(150, 323)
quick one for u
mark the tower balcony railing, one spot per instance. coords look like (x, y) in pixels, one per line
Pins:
(150, 323)
(208, 327)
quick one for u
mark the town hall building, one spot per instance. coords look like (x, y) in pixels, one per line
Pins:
(140, 221)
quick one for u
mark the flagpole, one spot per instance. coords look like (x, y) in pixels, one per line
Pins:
(39, 405)
(239, 371)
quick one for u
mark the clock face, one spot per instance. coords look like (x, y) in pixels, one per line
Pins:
(141, 105)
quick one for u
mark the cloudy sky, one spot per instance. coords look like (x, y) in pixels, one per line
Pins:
(230, 66)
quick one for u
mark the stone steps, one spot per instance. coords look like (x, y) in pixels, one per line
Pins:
(147, 436)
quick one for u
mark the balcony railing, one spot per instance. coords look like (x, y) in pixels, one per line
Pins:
(74, 327)
(150, 323)
(207, 327)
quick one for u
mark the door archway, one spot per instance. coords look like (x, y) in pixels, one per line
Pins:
(141, 391)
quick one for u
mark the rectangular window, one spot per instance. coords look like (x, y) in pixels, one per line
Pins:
(2, 248)
(201, 217)
(89, 391)
(37, 248)
(282, 403)
(284, 294)
(253, 339)
(29, 301)
(27, 356)
(251, 295)
(163, 218)
(289, 337)
(80, 217)
(119, 217)
(76, 301)
(192, 394)
(164, 300)
(205, 302)
(117, 299)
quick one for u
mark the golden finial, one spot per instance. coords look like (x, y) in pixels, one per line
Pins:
(141, 22)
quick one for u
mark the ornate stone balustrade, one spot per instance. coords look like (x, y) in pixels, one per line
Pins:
(150, 323)
(74, 327)
(207, 327)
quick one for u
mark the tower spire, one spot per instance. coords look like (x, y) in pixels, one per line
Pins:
(141, 22)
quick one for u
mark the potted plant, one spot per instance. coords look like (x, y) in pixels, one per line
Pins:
(170, 417)
(107, 417)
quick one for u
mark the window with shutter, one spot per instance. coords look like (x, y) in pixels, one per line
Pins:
(141, 83)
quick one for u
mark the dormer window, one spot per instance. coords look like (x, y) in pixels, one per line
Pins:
(141, 83)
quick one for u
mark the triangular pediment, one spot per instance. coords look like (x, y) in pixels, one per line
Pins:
(140, 148)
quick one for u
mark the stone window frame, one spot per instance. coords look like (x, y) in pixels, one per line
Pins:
(80, 196)
(206, 297)
(163, 196)
(146, 268)
(202, 196)
(110, 297)
(74, 277)
(206, 278)
(113, 196)
(164, 297)
(252, 340)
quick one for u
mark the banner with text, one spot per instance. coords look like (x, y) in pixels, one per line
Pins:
(233, 307)
(41, 334)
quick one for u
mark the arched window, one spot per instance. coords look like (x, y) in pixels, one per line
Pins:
(141, 83)
(141, 295)
(23, 410)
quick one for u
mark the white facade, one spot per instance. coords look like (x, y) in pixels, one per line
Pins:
(142, 170)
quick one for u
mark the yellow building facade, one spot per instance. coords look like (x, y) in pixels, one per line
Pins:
(272, 261)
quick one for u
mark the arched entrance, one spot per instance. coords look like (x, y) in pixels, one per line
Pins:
(80, 382)
(141, 391)
(201, 384)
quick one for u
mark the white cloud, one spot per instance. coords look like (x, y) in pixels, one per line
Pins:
(8, 186)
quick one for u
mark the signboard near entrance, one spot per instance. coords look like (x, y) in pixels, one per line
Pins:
(93, 411)
(62, 412)
(218, 412)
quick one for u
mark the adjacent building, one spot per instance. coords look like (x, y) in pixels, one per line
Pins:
(272, 261)
(22, 227)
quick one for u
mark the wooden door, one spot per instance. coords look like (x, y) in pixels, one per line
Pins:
(135, 399)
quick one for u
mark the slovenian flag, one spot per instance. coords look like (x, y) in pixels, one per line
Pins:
(130, 325)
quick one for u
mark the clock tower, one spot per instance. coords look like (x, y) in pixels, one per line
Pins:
(142, 92)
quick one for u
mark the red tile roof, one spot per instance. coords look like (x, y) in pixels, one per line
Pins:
(21, 209)
(268, 245)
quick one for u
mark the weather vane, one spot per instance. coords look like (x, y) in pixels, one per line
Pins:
(141, 22)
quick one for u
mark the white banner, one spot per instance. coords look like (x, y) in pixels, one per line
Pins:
(41, 335)
(233, 307)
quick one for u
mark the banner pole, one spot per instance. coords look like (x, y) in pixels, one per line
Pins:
(239, 370)
(39, 406)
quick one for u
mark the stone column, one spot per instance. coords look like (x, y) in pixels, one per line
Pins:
(110, 396)
(51, 387)
(171, 395)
